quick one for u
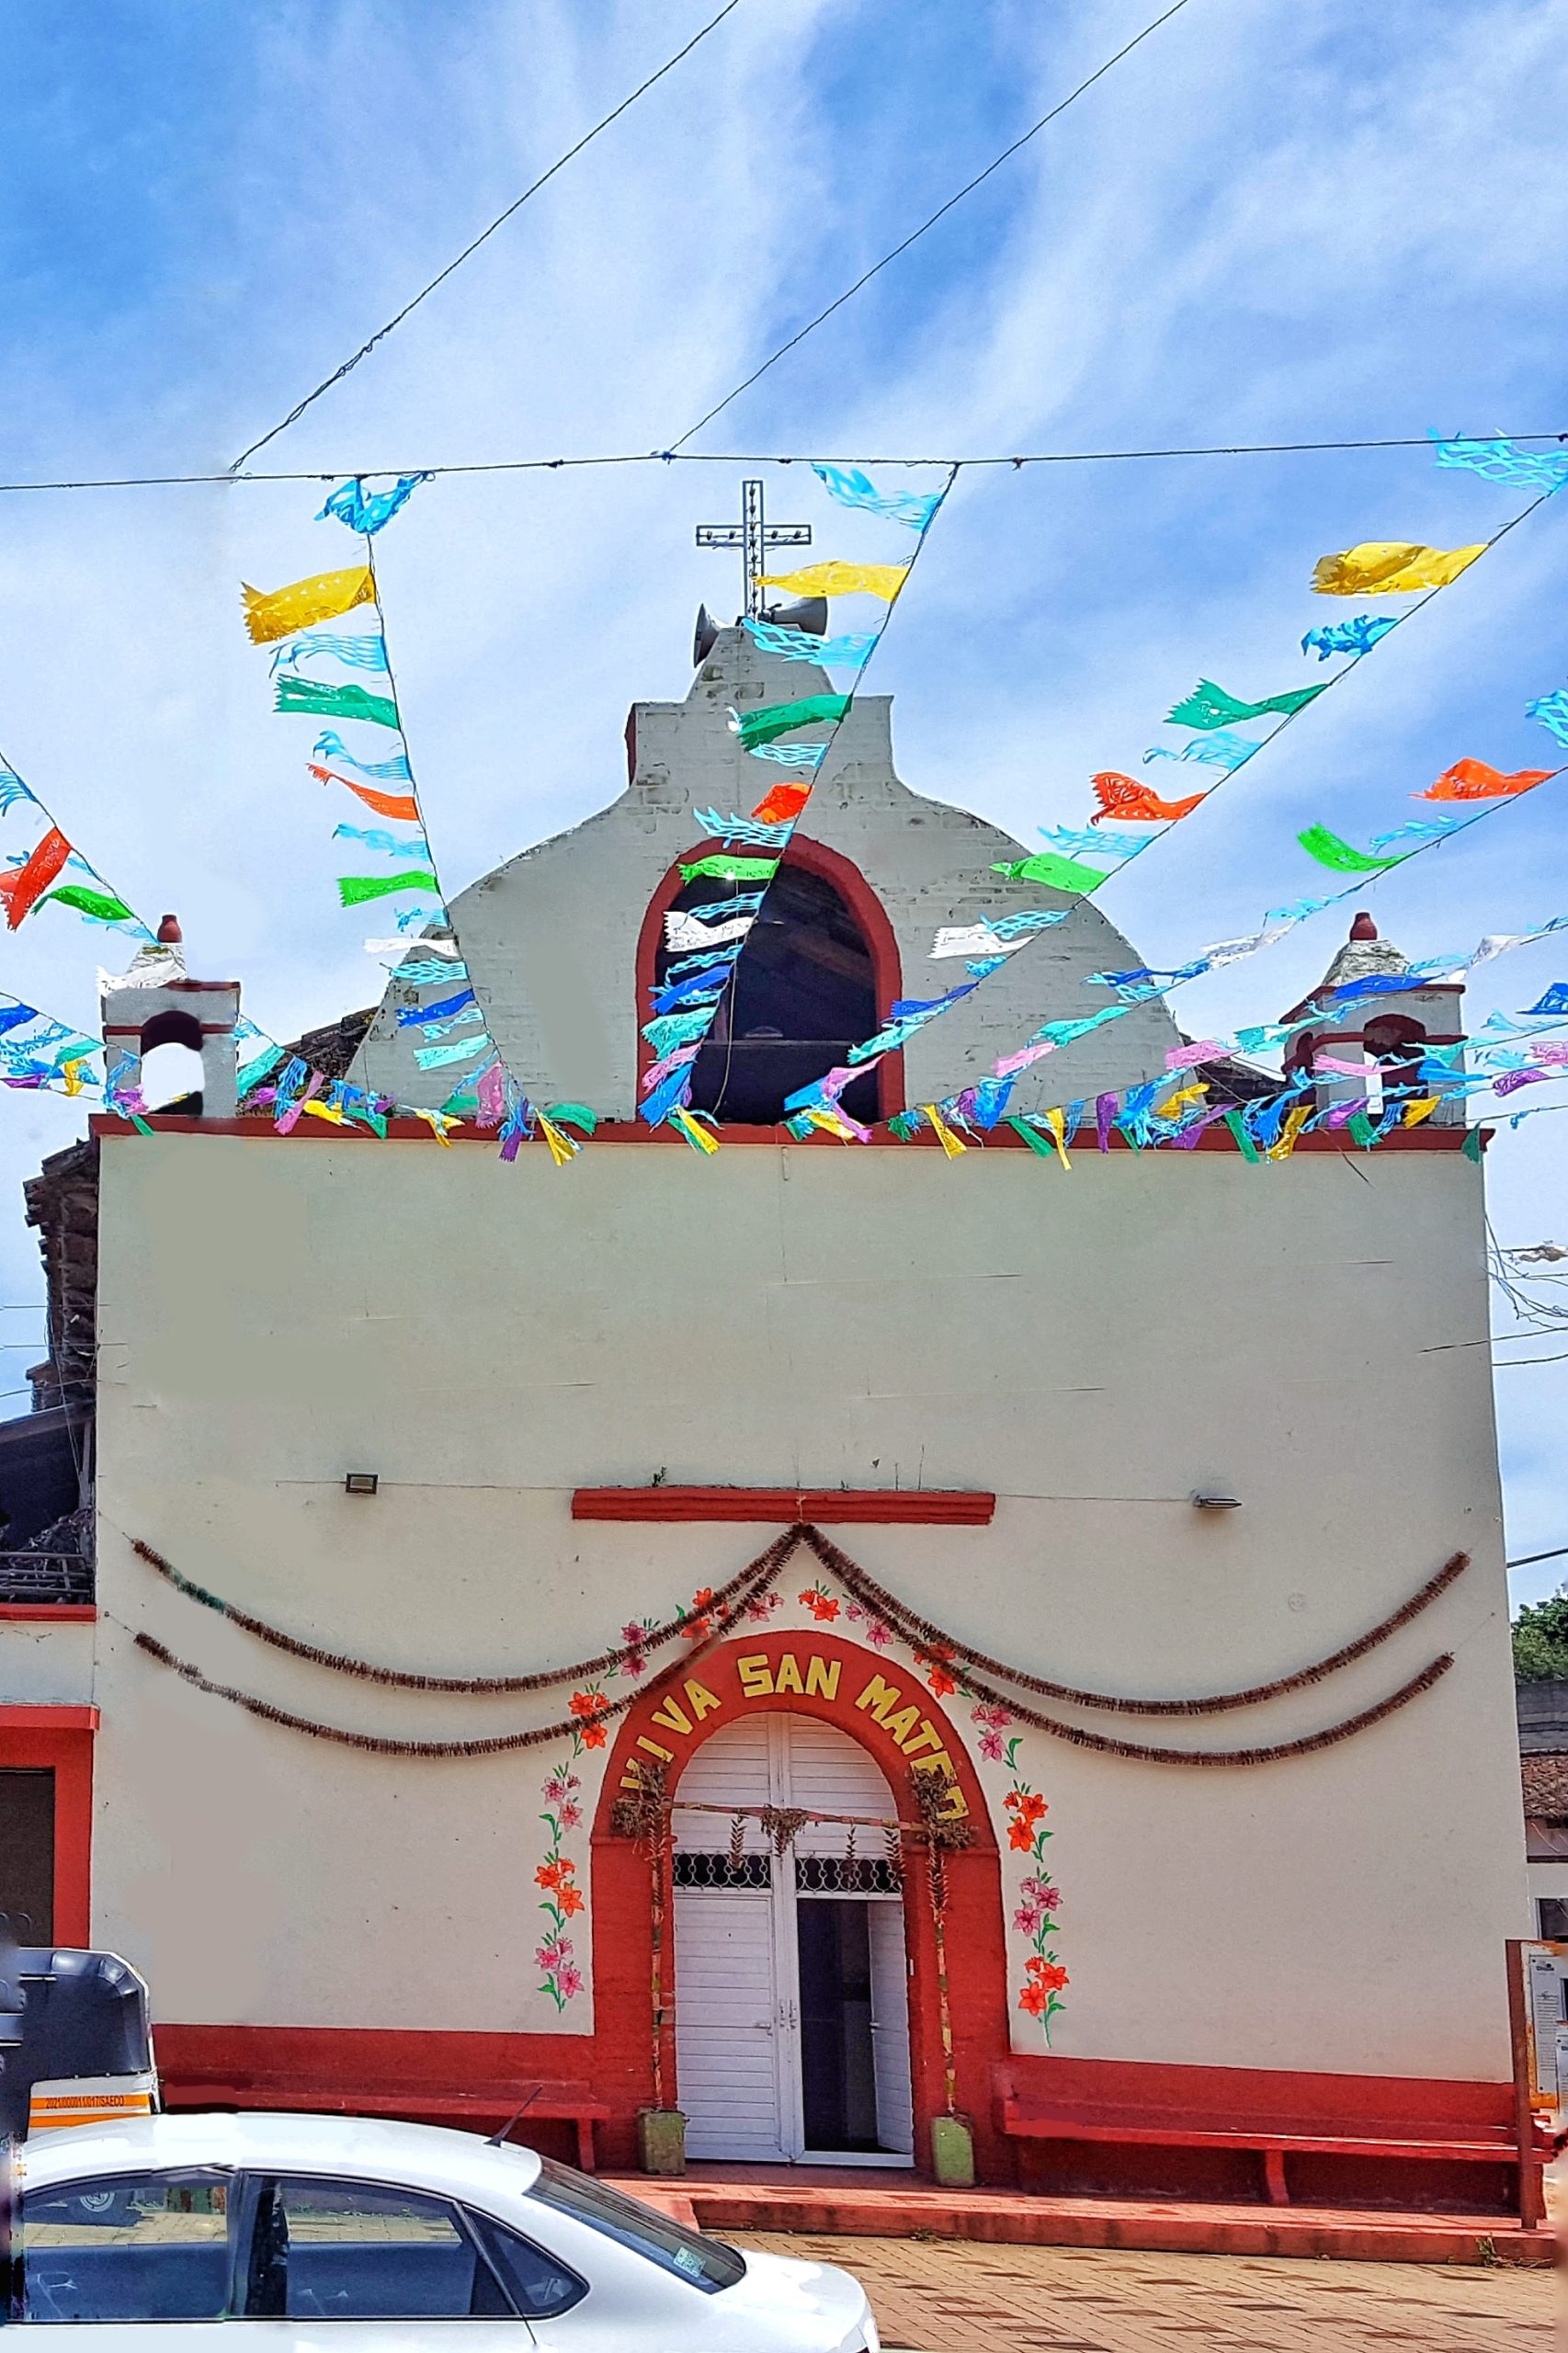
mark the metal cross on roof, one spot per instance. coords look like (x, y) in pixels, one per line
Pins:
(753, 536)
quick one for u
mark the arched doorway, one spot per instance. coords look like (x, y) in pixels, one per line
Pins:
(887, 1710)
(791, 1974)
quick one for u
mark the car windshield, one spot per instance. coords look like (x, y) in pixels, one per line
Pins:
(705, 2263)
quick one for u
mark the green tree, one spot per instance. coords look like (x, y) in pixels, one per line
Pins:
(1540, 1640)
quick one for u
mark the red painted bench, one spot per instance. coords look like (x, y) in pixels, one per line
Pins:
(1255, 2109)
(487, 2104)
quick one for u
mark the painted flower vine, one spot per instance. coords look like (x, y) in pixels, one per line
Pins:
(562, 1898)
(1045, 1979)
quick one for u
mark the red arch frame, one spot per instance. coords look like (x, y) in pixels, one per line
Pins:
(887, 969)
(977, 1961)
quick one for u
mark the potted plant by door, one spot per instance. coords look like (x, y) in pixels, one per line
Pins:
(952, 2152)
(661, 2139)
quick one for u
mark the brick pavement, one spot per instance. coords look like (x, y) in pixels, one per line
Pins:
(956, 2296)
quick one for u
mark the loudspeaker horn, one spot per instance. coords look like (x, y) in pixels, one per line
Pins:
(704, 637)
(809, 616)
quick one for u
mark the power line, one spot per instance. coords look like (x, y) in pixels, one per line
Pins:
(1556, 1553)
(1016, 461)
(472, 247)
(942, 210)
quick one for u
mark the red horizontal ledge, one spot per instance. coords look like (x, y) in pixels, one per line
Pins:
(940, 1507)
(22, 1718)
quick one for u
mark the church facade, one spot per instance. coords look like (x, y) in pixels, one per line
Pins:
(826, 1638)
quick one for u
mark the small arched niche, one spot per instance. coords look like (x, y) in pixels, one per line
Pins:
(806, 990)
(171, 1060)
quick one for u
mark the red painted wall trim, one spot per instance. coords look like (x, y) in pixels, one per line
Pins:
(624, 1132)
(62, 1612)
(61, 1739)
(935, 1507)
(887, 971)
(48, 1720)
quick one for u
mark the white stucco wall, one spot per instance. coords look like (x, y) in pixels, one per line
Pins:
(551, 937)
(45, 1666)
(274, 1312)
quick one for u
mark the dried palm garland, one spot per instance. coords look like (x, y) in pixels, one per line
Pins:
(767, 1565)
(745, 1586)
(1080, 1738)
(503, 1741)
(922, 1635)
(500, 1743)
(919, 1632)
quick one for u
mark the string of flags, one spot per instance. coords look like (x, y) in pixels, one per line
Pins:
(454, 1034)
(341, 679)
(31, 879)
(1213, 714)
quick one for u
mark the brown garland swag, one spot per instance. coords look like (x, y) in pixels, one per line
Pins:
(745, 1586)
(922, 1635)
(919, 1632)
(766, 1567)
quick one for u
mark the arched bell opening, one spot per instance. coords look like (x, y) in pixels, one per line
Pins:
(819, 969)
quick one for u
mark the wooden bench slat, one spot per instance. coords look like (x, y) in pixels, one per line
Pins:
(1272, 2134)
(486, 2102)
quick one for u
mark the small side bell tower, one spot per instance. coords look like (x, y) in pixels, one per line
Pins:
(1384, 1035)
(155, 1003)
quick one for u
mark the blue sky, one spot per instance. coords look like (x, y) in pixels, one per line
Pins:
(1268, 225)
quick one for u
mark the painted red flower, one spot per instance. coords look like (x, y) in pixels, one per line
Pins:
(570, 1900)
(1049, 1976)
(555, 1875)
(1033, 1998)
(940, 1681)
(588, 1707)
(1021, 1836)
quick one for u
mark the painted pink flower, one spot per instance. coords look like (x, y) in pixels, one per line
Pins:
(1037, 1889)
(877, 1634)
(571, 1814)
(552, 1953)
(558, 1786)
(854, 1612)
(569, 1980)
(634, 1634)
(988, 1713)
(991, 1747)
(763, 1604)
(1027, 1919)
(636, 1664)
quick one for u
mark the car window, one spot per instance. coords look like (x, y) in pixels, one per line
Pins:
(540, 2285)
(132, 2247)
(705, 2263)
(350, 2250)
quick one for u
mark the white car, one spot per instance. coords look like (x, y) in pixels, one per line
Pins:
(314, 2232)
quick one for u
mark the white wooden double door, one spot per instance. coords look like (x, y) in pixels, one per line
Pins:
(740, 2056)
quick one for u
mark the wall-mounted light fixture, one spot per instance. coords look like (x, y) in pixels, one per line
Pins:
(361, 1482)
(1211, 1499)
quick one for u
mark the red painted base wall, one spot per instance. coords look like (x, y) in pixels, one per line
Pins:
(323, 2064)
